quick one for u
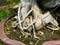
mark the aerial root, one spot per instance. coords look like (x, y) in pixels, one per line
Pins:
(53, 29)
(41, 33)
(35, 33)
(57, 28)
(37, 41)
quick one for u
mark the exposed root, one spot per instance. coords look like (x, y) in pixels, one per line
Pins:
(57, 28)
(26, 15)
(30, 25)
(35, 33)
(19, 19)
(41, 33)
(37, 41)
(53, 29)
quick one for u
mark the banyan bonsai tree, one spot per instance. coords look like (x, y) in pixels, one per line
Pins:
(30, 19)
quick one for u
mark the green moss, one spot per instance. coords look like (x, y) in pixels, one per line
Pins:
(1, 43)
(5, 13)
(13, 1)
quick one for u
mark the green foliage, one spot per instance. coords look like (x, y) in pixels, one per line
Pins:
(13, 1)
(5, 13)
(1, 43)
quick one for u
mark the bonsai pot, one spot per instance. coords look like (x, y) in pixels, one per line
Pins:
(8, 41)
(56, 42)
